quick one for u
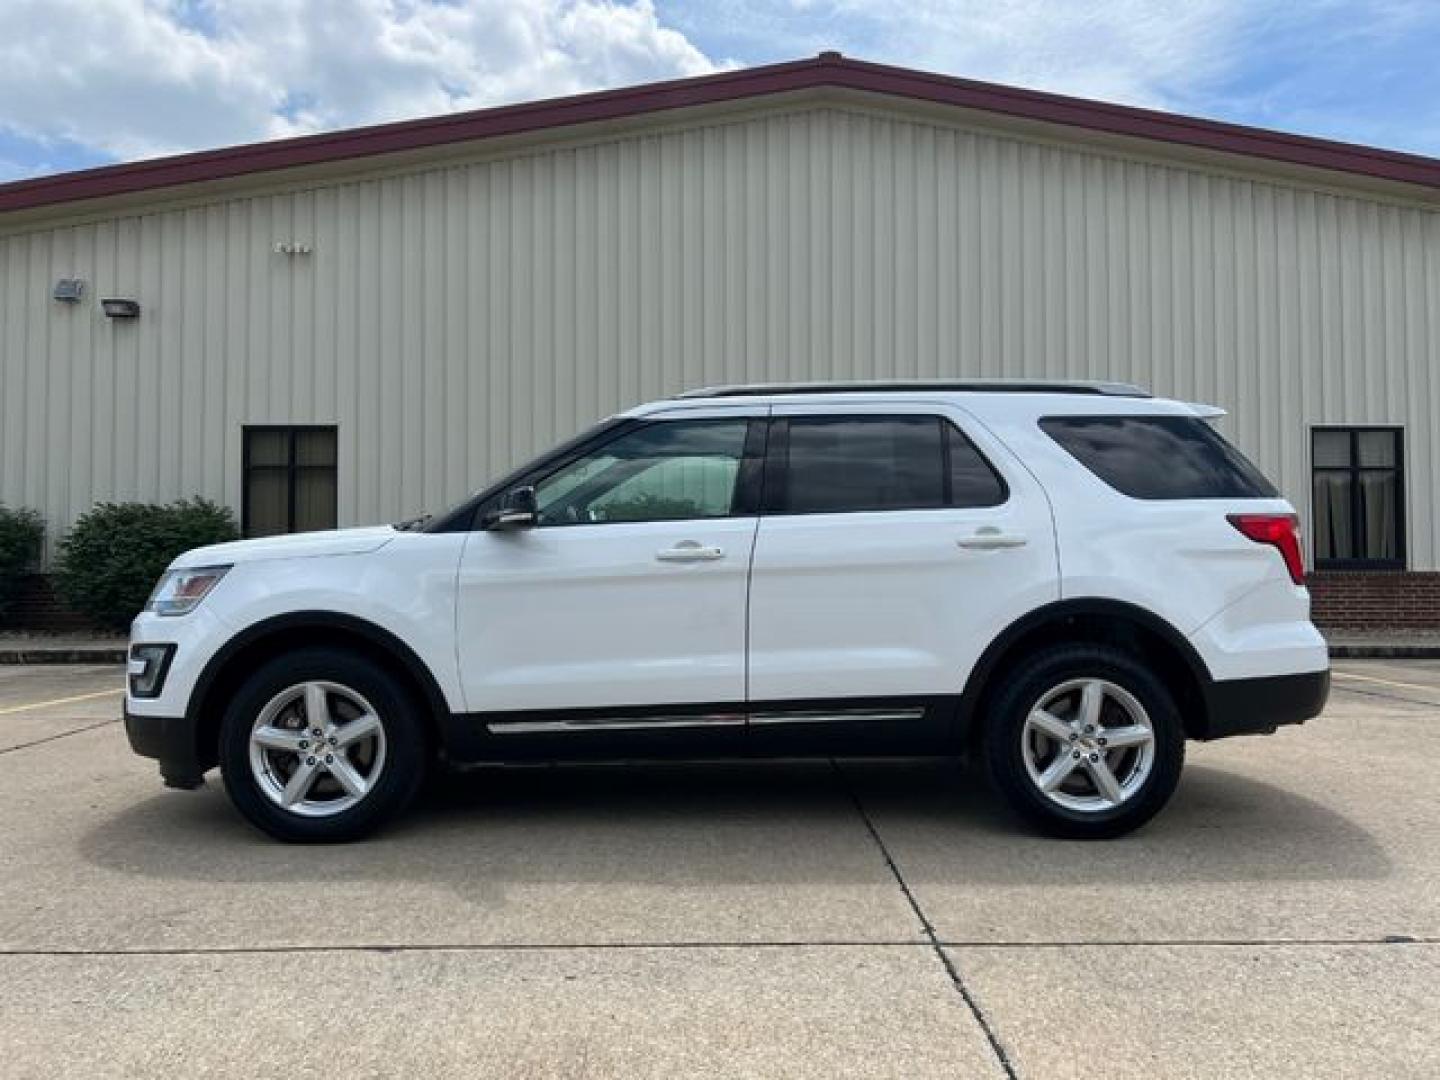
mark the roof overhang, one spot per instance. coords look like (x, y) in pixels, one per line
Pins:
(1119, 127)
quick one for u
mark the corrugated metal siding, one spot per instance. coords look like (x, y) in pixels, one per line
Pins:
(456, 320)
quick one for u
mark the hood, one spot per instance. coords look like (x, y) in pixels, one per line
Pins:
(292, 546)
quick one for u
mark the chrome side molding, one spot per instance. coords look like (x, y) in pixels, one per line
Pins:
(572, 724)
(614, 723)
(820, 716)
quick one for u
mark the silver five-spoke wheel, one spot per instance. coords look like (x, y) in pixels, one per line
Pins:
(317, 748)
(1088, 745)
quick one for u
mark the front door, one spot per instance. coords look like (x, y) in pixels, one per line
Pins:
(623, 608)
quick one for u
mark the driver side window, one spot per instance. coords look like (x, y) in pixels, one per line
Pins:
(668, 470)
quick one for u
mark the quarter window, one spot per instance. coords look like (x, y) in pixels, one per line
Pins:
(973, 480)
(290, 480)
(665, 471)
(1159, 457)
(1358, 497)
(843, 464)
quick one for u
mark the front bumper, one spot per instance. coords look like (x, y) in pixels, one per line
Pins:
(196, 638)
(171, 741)
(1258, 706)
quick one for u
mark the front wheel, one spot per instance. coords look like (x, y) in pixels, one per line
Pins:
(1084, 742)
(321, 745)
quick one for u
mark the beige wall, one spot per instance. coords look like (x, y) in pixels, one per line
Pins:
(455, 320)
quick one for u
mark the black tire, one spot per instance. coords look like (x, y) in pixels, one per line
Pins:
(401, 772)
(1004, 735)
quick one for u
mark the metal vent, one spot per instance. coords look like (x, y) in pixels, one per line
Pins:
(68, 290)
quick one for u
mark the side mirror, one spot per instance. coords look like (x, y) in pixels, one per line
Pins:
(518, 512)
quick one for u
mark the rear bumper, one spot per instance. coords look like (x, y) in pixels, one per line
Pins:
(170, 740)
(1258, 706)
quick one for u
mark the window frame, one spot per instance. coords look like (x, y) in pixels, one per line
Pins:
(291, 468)
(744, 502)
(776, 484)
(1354, 470)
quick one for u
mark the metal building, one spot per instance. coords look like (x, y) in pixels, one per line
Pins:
(362, 325)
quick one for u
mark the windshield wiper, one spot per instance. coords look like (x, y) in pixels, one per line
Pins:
(414, 524)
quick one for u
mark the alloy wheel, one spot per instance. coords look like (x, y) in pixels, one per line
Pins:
(1088, 745)
(317, 748)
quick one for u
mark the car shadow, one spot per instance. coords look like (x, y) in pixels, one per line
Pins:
(769, 823)
(1220, 826)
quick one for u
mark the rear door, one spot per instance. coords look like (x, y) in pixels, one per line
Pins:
(897, 541)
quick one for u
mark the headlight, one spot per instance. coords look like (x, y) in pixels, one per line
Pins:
(180, 591)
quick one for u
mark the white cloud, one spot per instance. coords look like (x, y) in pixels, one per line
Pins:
(1342, 67)
(1146, 52)
(1135, 51)
(136, 78)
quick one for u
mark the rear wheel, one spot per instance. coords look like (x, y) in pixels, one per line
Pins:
(321, 745)
(1085, 742)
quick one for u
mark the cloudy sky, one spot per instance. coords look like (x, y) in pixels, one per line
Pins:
(86, 82)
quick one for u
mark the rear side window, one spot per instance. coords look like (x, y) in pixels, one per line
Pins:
(1159, 457)
(843, 464)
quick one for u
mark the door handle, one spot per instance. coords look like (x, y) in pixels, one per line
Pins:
(990, 538)
(690, 551)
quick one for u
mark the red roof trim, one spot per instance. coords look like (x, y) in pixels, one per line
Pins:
(828, 70)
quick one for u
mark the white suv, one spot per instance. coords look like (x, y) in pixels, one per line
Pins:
(1068, 580)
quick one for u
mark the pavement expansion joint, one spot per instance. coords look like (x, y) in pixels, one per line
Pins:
(482, 947)
(1001, 1055)
(58, 735)
(1197, 943)
(660, 946)
(1381, 694)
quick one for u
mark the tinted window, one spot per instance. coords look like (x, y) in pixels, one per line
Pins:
(972, 480)
(1159, 457)
(840, 464)
(844, 463)
(669, 470)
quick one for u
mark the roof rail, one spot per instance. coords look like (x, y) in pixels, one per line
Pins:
(994, 386)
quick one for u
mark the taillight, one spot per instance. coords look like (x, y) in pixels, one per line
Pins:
(1280, 531)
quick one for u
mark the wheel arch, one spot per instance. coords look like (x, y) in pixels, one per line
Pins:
(1098, 621)
(258, 643)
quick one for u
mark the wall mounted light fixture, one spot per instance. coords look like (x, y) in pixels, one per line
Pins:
(68, 290)
(120, 309)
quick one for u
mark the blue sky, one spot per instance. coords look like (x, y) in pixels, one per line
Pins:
(85, 82)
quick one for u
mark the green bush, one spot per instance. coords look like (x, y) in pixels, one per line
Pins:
(20, 534)
(117, 551)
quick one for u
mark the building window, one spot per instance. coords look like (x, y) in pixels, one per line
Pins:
(1358, 498)
(289, 480)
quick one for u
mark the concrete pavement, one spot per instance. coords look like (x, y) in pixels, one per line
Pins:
(1281, 917)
